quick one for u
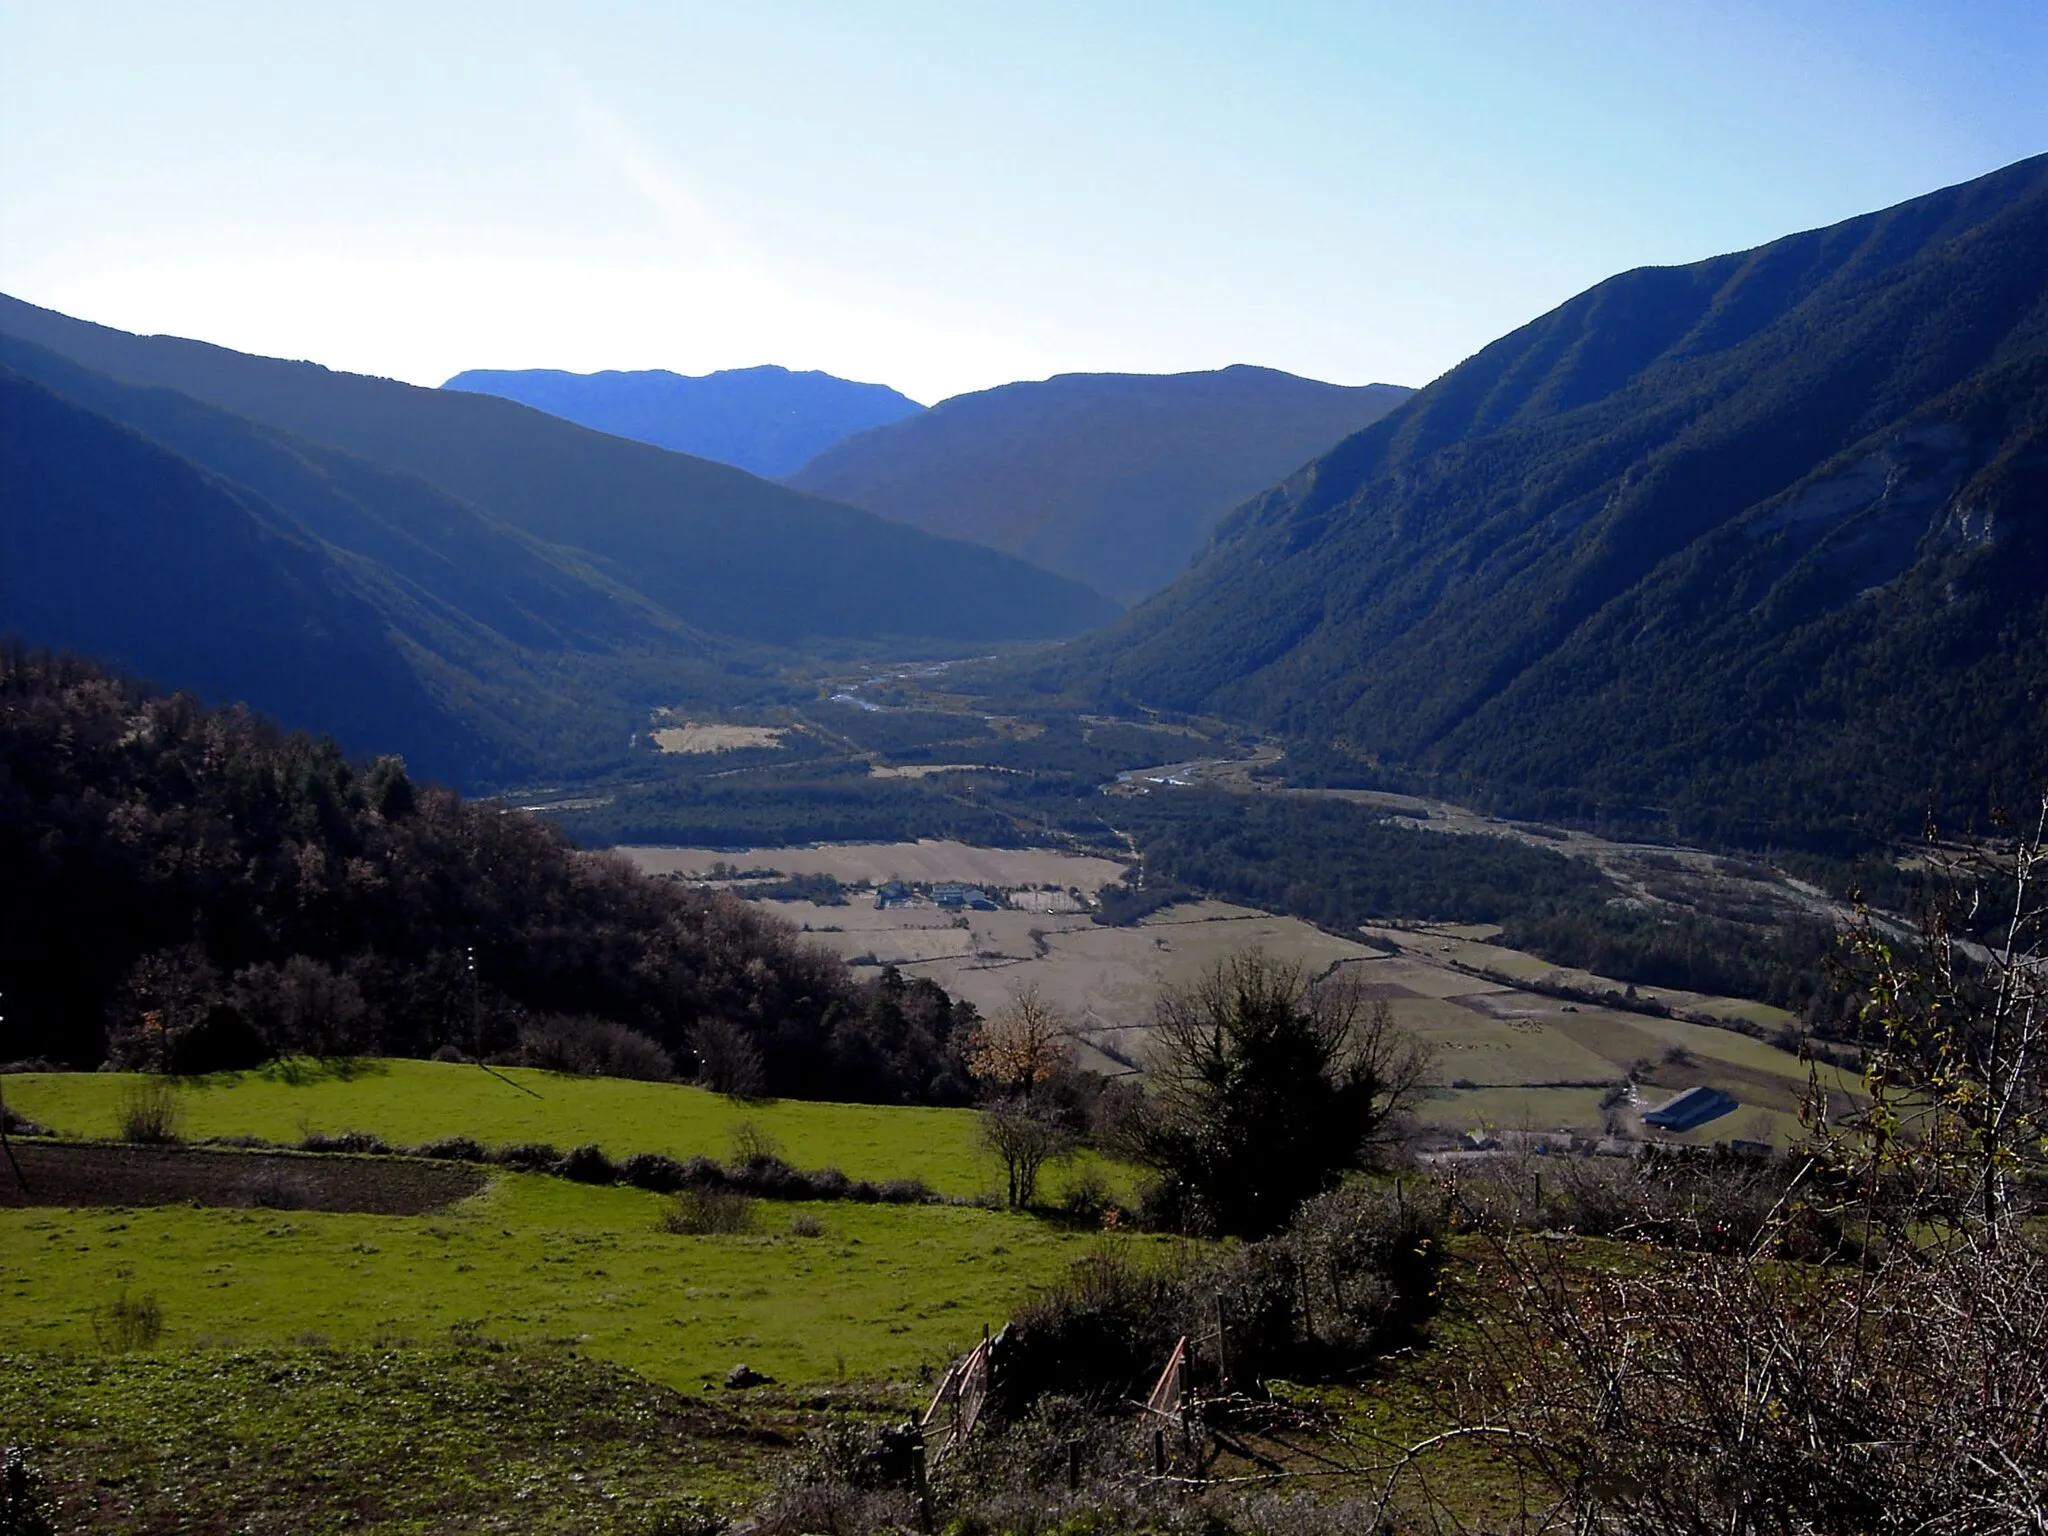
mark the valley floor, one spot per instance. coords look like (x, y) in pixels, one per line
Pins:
(1514, 1050)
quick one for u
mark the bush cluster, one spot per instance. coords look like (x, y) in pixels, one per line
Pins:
(1013, 1482)
(1351, 1273)
(1704, 1199)
(762, 1176)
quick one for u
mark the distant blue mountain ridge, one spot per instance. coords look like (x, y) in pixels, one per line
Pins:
(768, 421)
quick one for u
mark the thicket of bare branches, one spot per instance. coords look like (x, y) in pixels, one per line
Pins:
(1025, 1137)
(1900, 1387)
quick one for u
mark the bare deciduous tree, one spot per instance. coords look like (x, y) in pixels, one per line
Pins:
(727, 1061)
(1025, 1137)
(1023, 1046)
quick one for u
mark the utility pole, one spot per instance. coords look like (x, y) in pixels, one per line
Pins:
(476, 1027)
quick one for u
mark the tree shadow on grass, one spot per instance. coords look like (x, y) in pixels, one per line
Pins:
(303, 1071)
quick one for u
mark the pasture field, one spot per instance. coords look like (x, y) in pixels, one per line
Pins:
(1105, 978)
(538, 1355)
(534, 1260)
(411, 1102)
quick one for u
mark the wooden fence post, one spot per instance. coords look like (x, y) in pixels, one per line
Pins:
(919, 1487)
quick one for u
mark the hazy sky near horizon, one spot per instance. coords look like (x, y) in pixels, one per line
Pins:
(947, 196)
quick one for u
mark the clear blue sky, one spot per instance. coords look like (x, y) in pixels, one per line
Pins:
(948, 196)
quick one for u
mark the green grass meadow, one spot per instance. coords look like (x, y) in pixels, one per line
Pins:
(410, 1102)
(500, 1363)
(537, 1260)
(533, 1258)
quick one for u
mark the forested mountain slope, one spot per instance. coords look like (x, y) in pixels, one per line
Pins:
(767, 421)
(190, 890)
(1113, 479)
(720, 549)
(1750, 547)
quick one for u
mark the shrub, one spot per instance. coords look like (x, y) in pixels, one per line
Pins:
(361, 1143)
(1698, 1199)
(1265, 1086)
(1024, 1137)
(727, 1061)
(1099, 1331)
(751, 1143)
(765, 1175)
(1354, 1269)
(151, 1113)
(709, 1213)
(127, 1323)
(903, 1192)
(594, 1048)
(1086, 1196)
(1367, 1258)
(587, 1164)
(806, 1224)
(705, 1171)
(453, 1149)
(652, 1170)
(528, 1156)
(829, 1184)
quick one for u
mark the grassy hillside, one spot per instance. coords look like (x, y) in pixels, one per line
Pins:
(1744, 548)
(715, 546)
(767, 421)
(1113, 479)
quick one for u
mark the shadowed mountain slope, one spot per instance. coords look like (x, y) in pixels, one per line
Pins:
(1113, 479)
(718, 548)
(530, 592)
(1748, 547)
(112, 545)
(548, 664)
(767, 421)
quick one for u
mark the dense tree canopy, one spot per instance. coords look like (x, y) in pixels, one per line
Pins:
(189, 888)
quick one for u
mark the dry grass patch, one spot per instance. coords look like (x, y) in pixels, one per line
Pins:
(691, 737)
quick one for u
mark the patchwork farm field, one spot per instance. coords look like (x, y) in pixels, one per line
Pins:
(1511, 1053)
